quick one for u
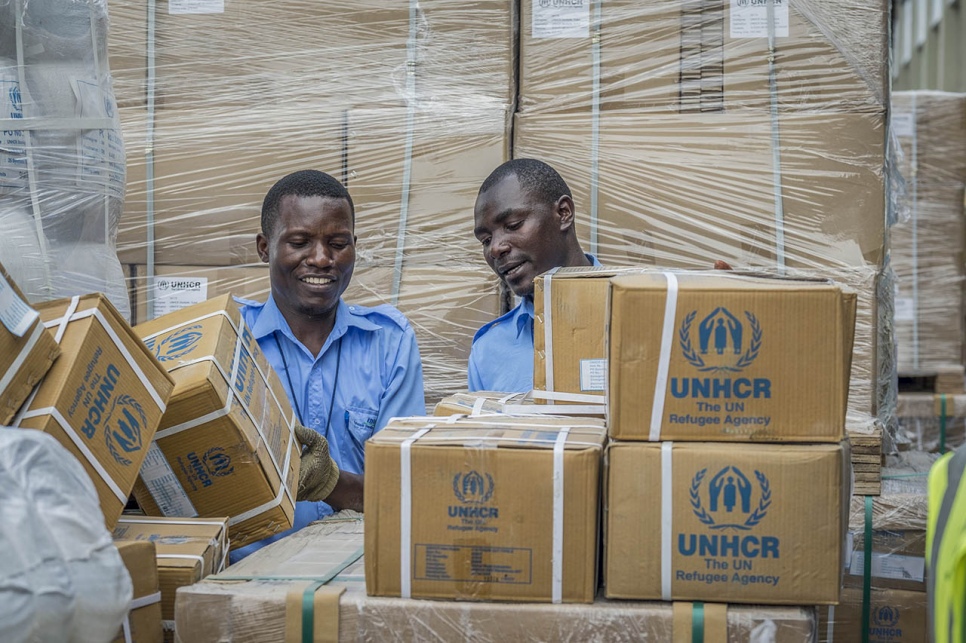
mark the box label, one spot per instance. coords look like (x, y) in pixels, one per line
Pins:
(905, 309)
(15, 314)
(903, 124)
(720, 344)
(593, 375)
(164, 486)
(472, 563)
(561, 19)
(749, 18)
(13, 142)
(174, 293)
(891, 566)
(184, 7)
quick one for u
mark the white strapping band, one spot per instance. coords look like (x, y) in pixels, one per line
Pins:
(137, 603)
(168, 521)
(81, 445)
(35, 336)
(195, 557)
(664, 360)
(556, 592)
(406, 511)
(830, 626)
(581, 398)
(548, 327)
(666, 519)
(478, 406)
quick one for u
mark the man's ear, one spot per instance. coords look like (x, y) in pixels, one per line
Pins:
(261, 245)
(565, 212)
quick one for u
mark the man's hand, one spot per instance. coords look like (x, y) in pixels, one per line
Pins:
(721, 265)
(347, 493)
(318, 473)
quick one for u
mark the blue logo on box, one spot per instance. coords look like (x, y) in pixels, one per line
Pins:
(724, 344)
(177, 344)
(217, 462)
(729, 495)
(473, 487)
(122, 428)
(886, 616)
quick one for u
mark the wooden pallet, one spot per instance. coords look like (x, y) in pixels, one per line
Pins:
(867, 462)
(942, 379)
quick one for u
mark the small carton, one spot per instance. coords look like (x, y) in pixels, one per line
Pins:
(188, 550)
(226, 445)
(102, 399)
(895, 616)
(27, 350)
(143, 622)
(719, 357)
(756, 523)
(448, 516)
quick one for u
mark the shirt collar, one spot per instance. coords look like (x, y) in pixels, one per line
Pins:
(523, 314)
(270, 319)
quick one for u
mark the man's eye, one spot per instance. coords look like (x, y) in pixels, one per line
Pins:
(297, 243)
(514, 226)
(485, 241)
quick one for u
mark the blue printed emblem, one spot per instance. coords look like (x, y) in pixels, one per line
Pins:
(722, 341)
(729, 495)
(473, 487)
(123, 426)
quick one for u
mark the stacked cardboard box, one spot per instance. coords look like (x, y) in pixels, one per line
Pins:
(932, 422)
(226, 444)
(241, 605)
(927, 250)
(411, 111)
(143, 622)
(724, 358)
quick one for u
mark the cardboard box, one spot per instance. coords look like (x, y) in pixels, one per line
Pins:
(188, 550)
(143, 623)
(704, 56)
(260, 611)
(102, 399)
(468, 533)
(27, 350)
(895, 616)
(931, 422)
(683, 190)
(226, 445)
(697, 522)
(483, 403)
(735, 358)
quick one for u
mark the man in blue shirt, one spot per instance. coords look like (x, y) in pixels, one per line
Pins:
(347, 369)
(524, 218)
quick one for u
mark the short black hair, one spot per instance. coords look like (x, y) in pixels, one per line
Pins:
(304, 183)
(536, 177)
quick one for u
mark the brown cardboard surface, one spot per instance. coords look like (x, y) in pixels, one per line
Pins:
(895, 616)
(188, 550)
(763, 541)
(226, 445)
(473, 535)
(743, 354)
(25, 355)
(684, 190)
(253, 610)
(103, 398)
(140, 559)
(694, 56)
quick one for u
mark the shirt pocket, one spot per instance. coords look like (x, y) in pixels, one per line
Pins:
(361, 422)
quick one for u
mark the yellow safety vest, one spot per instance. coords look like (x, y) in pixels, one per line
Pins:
(946, 548)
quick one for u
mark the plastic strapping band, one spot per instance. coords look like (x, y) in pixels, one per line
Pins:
(35, 123)
(149, 151)
(556, 592)
(406, 511)
(81, 446)
(867, 570)
(915, 236)
(137, 603)
(308, 596)
(697, 622)
(664, 360)
(830, 626)
(942, 423)
(149, 521)
(775, 141)
(408, 150)
(588, 398)
(194, 557)
(548, 327)
(35, 336)
(595, 128)
(478, 406)
(61, 322)
(667, 514)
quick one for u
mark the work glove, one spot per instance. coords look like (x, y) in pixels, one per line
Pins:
(318, 472)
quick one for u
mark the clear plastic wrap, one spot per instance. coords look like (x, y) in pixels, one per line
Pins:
(930, 422)
(928, 248)
(62, 162)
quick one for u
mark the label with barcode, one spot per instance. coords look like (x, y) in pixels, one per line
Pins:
(15, 314)
(164, 485)
(751, 19)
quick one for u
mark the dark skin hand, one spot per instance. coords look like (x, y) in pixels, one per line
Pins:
(721, 265)
(347, 493)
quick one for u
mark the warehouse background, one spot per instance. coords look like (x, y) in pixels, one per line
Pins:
(929, 45)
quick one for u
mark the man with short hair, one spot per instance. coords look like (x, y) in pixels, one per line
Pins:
(524, 217)
(347, 369)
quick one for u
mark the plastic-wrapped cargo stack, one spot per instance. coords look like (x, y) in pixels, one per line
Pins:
(408, 105)
(61, 155)
(754, 133)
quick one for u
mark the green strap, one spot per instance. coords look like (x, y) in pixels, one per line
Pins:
(902, 476)
(942, 423)
(697, 623)
(867, 571)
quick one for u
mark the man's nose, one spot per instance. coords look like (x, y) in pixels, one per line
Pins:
(499, 245)
(319, 255)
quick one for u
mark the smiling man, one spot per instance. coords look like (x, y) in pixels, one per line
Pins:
(524, 218)
(347, 369)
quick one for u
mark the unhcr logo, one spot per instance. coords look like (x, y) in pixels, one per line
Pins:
(724, 344)
(474, 489)
(885, 623)
(122, 428)
(729, 495)
(217, 462)
(177, 344)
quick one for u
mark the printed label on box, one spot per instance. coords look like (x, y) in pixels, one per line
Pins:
(174, 293)
(478, 564)
(561, 19)
(905, 309)
(903, 124)
(893, 566)
(749, 18)
(593, 375)
(15, 314)
(164, 486)
(182, 7)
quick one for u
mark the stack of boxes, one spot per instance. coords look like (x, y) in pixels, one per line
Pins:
(409, 106)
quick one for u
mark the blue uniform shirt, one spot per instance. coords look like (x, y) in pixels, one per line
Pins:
(502, 355)
(370, 360)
